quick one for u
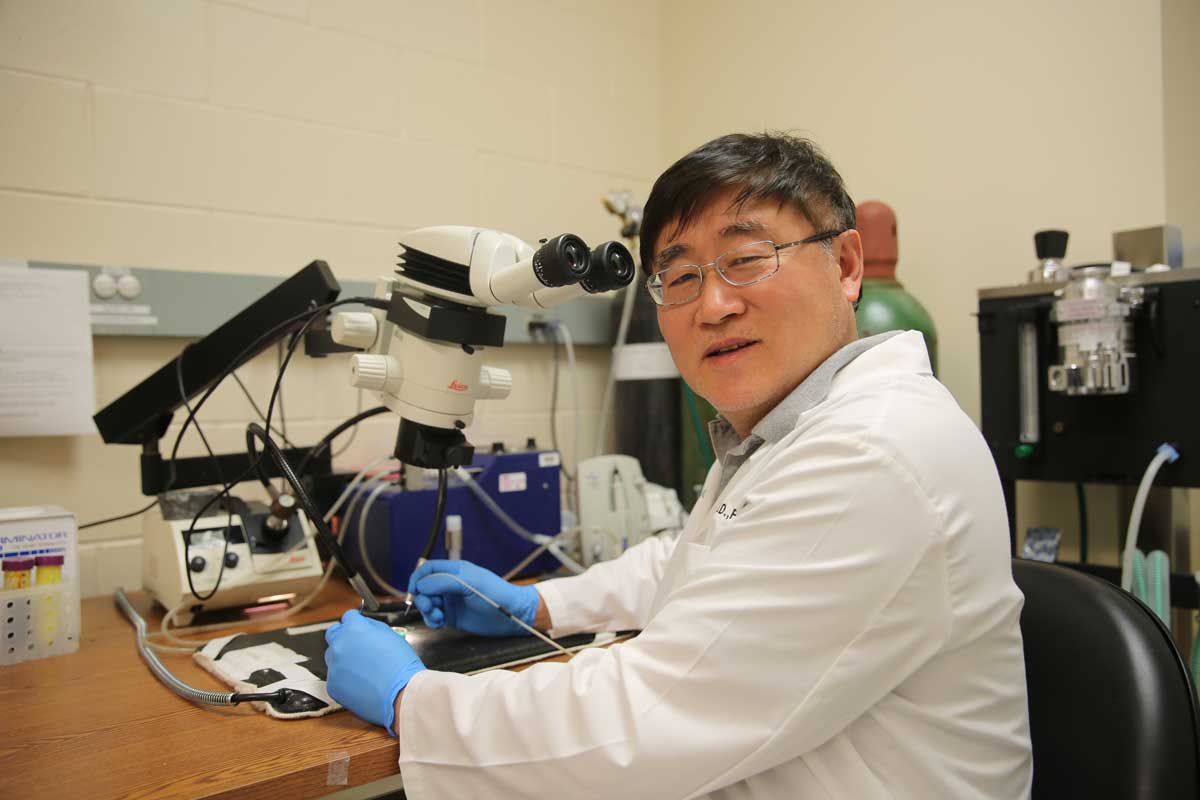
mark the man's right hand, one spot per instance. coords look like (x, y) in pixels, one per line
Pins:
(442, 600)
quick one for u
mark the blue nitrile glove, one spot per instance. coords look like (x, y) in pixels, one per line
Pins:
(445, 601)
(368, 664)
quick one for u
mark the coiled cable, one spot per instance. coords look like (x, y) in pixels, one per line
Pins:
(174, 684)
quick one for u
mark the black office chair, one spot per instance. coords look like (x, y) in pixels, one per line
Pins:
(1112, 709)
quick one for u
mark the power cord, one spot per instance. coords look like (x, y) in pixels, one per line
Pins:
(282, 415)
(435, 528)
(187, 539)
(234, 363)
(326, 440)
(308, 317)
(120, 517)
(258, 410)
(254, 431)
(554, 407)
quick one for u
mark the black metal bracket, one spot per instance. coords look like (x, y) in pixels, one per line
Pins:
(199, 471)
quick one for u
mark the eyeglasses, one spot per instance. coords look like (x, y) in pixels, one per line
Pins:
(741, 266)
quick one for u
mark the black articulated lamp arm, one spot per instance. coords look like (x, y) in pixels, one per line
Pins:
(143, 413)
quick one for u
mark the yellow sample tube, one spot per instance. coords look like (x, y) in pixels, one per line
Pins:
(48, 573)
(49, 569)
(17, 572)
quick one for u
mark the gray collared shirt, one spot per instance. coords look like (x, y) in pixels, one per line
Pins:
(733, 451)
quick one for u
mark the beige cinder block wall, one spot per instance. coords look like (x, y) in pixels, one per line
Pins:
(253, 137)
(979, 123)
(1181, 90)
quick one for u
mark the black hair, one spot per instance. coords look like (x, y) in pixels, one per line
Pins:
(761, 166)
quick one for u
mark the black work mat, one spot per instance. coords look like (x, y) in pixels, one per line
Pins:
(294, 659)
(444, 649)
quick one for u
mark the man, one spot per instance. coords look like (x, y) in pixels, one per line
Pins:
(838, 619)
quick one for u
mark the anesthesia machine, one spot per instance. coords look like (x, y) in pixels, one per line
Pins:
(1089, 375)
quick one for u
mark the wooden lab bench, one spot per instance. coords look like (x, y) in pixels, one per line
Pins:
(98, 724)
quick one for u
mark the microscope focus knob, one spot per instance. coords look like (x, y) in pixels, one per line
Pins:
(355, 329)
(369, 372)
(495, 383)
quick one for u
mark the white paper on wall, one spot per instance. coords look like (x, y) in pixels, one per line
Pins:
(46, 386)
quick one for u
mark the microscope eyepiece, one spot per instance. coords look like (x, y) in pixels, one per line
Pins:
(561, 261)
(610, 267)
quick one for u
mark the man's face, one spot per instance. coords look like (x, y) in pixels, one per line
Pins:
(782, 327)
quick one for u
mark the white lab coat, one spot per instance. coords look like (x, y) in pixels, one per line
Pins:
(850, 632)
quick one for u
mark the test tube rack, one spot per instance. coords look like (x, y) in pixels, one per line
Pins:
(38, 619)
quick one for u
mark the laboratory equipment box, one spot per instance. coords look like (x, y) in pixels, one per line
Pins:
(524, 485)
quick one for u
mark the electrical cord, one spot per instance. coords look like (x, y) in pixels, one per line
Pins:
(190, 646)
(277, 391)
(282, 415)
(187, 539)
(237, 378)
(234, 363)
(434, 531)
(120, 517)
(245, 353)
(256, 462)
(255, 431)
(392, 590)
(187, 646)
(308, 317)
(439, 511)
(239, 359)
(327, 439)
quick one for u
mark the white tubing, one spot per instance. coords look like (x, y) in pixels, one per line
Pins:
(354, 482)
(573, 367)
(362, 541)
(549, 542)
(1165, 453)
(358, 478)
(610, 386)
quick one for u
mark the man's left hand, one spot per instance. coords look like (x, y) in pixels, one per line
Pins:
(368, 665)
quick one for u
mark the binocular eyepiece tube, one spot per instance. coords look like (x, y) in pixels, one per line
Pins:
(561, 262)
(610, 266)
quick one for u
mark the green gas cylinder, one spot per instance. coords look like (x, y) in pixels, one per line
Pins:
(884, 304)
